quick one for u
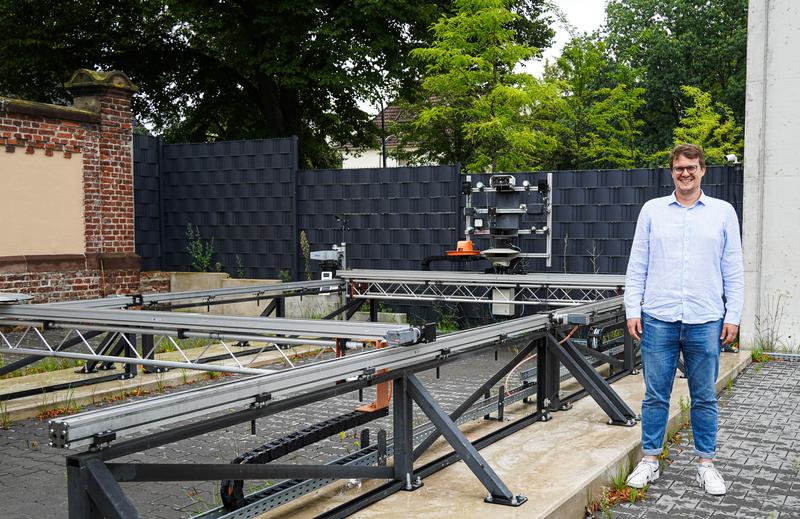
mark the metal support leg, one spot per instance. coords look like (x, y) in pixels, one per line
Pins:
(106, 492)
(94, 493)
(501, 403)
(149, 352)
(110, 345)
(597, 387)
(273, 304)
(548, 382)
(373, 311)
(130, 368)
(542, 400)
(403, 436)
(629, 353)
(498, 491)
(79, 504)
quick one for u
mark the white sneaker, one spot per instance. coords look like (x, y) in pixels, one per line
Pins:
(644, 473)
(710, 480)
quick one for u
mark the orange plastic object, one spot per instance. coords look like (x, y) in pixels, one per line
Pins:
(383, 392)
(464, 248)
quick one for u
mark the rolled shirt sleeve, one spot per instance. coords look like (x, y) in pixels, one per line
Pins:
(732, 268)
(636, 274)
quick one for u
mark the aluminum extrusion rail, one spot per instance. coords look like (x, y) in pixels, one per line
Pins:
(81, 429)
(265, 291)
(160, 323)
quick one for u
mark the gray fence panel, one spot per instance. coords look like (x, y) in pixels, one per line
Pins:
(147, 189)
(240, 194)
(251, 199)
(396, 216)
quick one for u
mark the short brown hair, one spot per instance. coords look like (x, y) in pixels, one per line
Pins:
(690, 151)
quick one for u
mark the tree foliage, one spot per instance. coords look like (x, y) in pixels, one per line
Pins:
(710, 125)
(680, 42)
(232, 69)
(475, 108)
(601, 116)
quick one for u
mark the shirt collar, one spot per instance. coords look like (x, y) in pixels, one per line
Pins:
(703, 200)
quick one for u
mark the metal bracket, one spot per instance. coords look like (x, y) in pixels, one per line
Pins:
(428, 332)
(500, 500)
(103, 438)
(367, 373)
(262, 399)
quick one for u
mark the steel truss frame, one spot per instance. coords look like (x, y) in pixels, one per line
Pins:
(93, 481)
(464, 287)
(94, 487)
(116, 348)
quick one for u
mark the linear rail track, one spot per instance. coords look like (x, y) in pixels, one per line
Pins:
(81, 429)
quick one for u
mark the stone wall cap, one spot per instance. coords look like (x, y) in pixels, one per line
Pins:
(84, 77)
(21, 106)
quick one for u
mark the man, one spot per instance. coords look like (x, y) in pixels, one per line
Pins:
(683, 293)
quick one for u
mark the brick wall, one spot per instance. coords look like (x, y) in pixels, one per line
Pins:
(154, 282)
(96, 130)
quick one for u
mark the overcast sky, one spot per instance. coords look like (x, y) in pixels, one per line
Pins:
(583, 15)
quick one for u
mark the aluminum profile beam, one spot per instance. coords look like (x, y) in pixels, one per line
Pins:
(257, 291)
(123, 420)
(609, 281)
(173, 323)
(471, 287)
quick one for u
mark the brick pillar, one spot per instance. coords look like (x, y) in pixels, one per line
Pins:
(108, 175)
(108, 178)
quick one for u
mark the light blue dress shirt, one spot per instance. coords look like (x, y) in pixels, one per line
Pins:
(684, 260)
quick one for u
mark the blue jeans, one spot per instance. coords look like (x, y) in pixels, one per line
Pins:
(661, 343)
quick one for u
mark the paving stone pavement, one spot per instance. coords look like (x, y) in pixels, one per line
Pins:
(758, 455)
(33, 476)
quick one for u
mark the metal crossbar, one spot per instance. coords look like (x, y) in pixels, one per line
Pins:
(465, 287)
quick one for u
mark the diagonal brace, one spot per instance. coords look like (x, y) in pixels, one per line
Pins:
(593, 353)
(498, 491)
(597, 387)
(106, 492)
(475, 396)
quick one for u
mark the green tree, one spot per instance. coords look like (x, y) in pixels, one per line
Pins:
(680, 42)
(710, 125)
(475, 107)
(600, 122)
(231, 69)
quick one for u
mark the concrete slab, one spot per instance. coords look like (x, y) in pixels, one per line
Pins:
(559, 465)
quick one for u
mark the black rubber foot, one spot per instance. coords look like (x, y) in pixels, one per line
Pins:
(499, 500)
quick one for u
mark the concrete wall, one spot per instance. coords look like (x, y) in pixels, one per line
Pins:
(772, 171)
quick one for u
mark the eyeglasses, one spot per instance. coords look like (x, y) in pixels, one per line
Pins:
(689, 169)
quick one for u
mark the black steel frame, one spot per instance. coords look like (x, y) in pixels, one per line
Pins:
(93, 481)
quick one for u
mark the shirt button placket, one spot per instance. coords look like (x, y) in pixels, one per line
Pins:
(684, 262)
